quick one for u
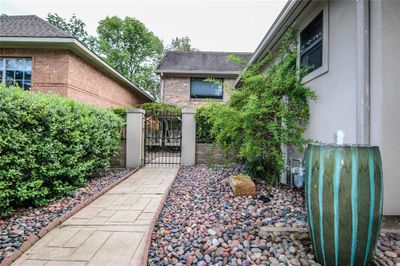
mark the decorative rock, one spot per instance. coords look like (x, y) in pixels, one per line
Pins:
(390, 254)
(273, 260)
(242, 185)
(211, 232)
(202, 200)
(282, 258)
(294, 262)
(215, 242)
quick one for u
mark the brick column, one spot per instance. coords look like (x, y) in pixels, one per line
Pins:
(188, 155)
(134, 137)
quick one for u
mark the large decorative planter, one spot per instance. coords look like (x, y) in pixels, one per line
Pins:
(344, 189)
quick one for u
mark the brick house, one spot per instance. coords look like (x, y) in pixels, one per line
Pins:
(40, 57)
(184, 76)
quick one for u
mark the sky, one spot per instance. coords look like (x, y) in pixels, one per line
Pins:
(221, 25)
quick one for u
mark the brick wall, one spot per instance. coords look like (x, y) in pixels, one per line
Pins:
(88, 84)
(208, 154)
(65, 73)
(176, 90)
(49, 68)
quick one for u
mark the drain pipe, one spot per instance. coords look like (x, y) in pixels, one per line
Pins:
(161, 87)
(363, 72)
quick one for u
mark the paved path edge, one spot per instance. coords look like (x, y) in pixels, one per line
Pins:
(32, 239)
(145, 256)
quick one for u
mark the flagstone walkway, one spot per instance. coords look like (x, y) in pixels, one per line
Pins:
(112, 230)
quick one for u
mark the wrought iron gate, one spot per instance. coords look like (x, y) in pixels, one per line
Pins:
(162, 138)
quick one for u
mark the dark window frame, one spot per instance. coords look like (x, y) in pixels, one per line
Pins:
(316, 43)
(193, 96)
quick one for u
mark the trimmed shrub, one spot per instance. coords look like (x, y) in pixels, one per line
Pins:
(159, 107)
(49, 145)
(204, 125)
(120, 111)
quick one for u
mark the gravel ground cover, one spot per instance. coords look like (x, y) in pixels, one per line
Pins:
(203, 224)
(15, 229)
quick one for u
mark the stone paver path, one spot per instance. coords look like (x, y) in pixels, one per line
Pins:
(112, 230)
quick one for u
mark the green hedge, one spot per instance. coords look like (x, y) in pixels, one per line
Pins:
(49, 145)
(203, 124)
(159, 107)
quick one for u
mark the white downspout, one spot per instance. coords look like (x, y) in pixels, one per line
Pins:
(162, 87)
(363, 72)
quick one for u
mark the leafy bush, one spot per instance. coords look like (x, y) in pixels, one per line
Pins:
(159, 107)
(269, 109)
(120, 111)
(49, 145)
(203, 124)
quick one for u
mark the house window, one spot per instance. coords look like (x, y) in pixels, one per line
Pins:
(311, 44)
(201, 88)
(16, 72)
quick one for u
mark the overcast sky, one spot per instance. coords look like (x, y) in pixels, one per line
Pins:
(211, 25)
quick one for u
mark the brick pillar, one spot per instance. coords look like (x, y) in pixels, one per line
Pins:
(188, 155)
(134, 138)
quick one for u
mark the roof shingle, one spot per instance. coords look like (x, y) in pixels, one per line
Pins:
(200, 61)
(29, 26)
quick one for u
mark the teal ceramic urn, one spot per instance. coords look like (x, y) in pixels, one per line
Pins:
(344, 191)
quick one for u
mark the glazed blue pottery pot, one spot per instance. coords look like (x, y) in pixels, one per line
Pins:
(344, 191)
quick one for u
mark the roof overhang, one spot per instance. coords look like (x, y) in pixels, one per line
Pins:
(197, 73)
(76, 47)
(285, 18)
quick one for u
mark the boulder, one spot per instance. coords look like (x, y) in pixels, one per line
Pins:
(242, 185)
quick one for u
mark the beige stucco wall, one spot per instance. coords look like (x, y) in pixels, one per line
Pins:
(385, 96)
(176, 90)
(335, 107)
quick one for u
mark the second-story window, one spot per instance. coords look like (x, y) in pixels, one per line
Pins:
(311, 44)
(201, 88)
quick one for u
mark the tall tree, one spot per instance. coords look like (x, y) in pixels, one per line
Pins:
(181, 44)
(131, 49)
(76, 27)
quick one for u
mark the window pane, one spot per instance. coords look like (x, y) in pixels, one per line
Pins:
(311, 44)
(9, 75)
(28, 75)
(19, 83)
(18, 72)
(200, 88)
(19, 75)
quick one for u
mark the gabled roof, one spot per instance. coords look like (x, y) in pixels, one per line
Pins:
(29, 26)
(34, 32)
(191, 62)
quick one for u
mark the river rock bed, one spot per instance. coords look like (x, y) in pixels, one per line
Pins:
(15, 229)
(203, 224)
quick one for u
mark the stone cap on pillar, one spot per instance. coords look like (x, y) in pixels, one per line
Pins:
(136, 110)
(188, 110)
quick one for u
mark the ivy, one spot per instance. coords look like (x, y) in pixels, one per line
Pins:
(269, 109)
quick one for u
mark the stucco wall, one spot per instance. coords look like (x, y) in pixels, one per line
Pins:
(385, 95)
(65, 73)
(335, 107)
(176, 90)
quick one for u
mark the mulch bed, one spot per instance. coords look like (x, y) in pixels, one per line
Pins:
(202, 224)
(24, 223)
